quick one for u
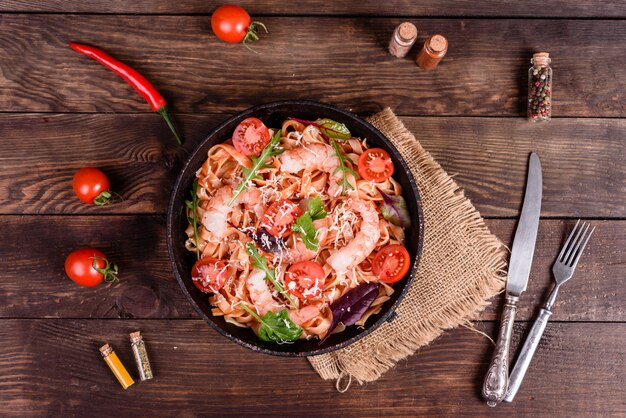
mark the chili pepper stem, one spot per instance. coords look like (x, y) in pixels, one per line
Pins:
(163, 112)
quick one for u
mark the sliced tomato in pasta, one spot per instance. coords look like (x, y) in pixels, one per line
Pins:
(375, 164)
(209, 274)
(305, 280)
(391, 263)
(279, 217)
(250, 137)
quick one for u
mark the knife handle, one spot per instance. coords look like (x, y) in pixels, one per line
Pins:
(526, 354)
(497, 378)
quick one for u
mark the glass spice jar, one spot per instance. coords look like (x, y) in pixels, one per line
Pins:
(141, 356)
(432, 52)
(540, 88)
(402, 40)
(116, 366)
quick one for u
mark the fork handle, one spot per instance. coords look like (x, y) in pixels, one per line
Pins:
(526, 354)
(497, 378)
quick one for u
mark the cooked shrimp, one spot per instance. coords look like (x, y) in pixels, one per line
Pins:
(216, 216)
(314, 157)
(214, 219)
(363, 243)
(260, 293)
(304, 315)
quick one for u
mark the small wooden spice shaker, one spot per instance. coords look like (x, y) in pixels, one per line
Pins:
(116, 366)
(402, 40)
(432, 52)
(141, 356)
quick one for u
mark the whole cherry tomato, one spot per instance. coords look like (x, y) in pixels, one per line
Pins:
(89, 267)
(231, 23)
(92, 186)
(209, 274)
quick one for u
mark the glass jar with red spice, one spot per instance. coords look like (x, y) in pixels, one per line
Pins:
(540, 88)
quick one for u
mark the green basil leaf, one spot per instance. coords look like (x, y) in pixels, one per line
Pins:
(277, 327)
(315, 208)
(334, 129)
(304, 226)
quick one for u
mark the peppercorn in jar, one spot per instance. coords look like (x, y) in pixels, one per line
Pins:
(540, 88)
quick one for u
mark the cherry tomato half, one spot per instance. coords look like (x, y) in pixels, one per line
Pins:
(279, 216)
(209, 274)
(305, 280)
(89, 185)
(79, 266)
(391, 263)
(250, 137)
(375, 164)
(230, 23)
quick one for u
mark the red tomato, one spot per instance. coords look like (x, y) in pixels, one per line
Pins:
(79, 266)
(90, 183)
(305, 280)
(279, 216)
(250, 137)
(209, 274)
(375, 164)
(391, 263)
(230, 23)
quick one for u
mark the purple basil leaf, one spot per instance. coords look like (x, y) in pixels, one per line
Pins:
(394, 210)
(268, 242)
(350, 307)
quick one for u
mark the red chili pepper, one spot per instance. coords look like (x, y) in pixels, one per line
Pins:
(132, 77)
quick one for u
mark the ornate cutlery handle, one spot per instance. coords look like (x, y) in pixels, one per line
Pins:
(526, 354)
(497, 378)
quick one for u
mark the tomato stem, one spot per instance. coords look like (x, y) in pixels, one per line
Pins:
(251, 34)
(110, 270)
(106, 198)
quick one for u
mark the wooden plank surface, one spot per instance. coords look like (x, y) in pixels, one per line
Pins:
(53, 368)
(525, 8)
(40, 153)
(484, 73)
(149, 289)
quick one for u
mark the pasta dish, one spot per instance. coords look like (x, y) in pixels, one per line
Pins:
(298, 230)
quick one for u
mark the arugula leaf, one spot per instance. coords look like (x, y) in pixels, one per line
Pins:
(270, 274)
(193, 206)
(345, 184)
(276, 327)
(272, 149)
(304, 226)
(333, 129)
(315, 208)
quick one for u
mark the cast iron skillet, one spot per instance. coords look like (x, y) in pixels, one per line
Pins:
(272, 114)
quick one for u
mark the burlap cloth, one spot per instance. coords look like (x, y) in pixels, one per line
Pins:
(462, 266)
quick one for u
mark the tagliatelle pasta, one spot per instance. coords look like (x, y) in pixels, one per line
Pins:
(349, 237)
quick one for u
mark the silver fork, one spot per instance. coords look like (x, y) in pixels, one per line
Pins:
(563, 269)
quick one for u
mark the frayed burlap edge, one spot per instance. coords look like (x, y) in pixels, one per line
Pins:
(367, 359)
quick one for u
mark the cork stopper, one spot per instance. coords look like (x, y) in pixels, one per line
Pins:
(438, 43)
(105, 350)
(541, 58)
(407, 31)
(135, 336)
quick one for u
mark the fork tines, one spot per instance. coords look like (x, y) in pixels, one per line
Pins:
(573, 249)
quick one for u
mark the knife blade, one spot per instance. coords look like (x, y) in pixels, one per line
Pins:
(496, 379)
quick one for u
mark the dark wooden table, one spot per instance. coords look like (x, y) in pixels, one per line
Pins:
(59, 112)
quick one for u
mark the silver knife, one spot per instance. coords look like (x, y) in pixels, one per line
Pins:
(497, 378)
